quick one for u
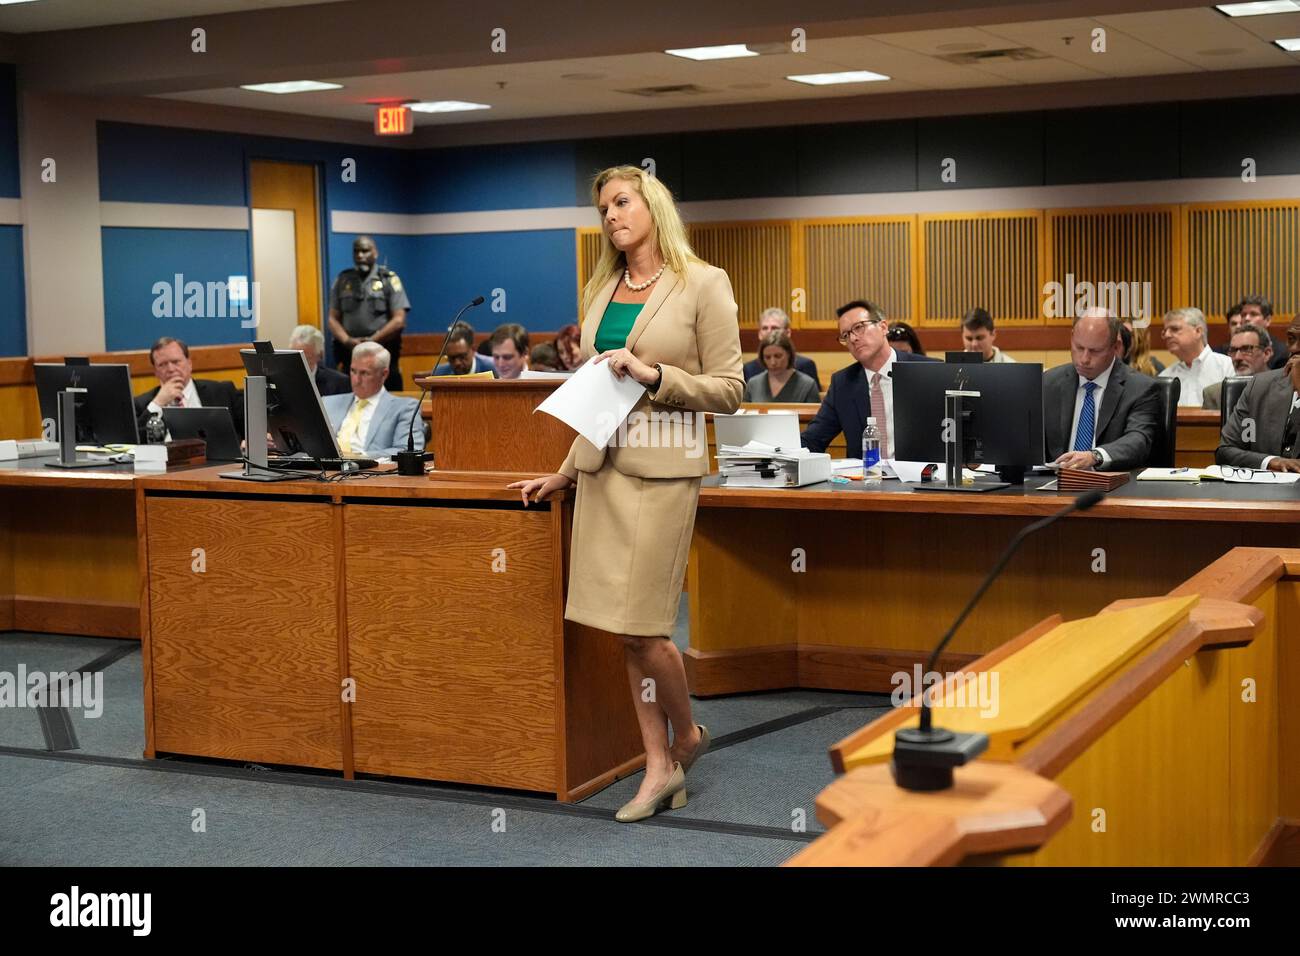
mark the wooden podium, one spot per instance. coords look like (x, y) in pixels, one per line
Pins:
(1160, 732)
(499, 430)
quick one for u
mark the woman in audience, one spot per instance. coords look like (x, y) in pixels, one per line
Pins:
(1137, 351)
(904, 338)
(655, 313)
(781, 381)
(568, 344)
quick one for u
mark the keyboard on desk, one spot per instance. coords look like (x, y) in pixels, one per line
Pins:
(322, 464)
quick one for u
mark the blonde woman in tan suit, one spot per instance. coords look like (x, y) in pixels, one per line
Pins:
(657, 313)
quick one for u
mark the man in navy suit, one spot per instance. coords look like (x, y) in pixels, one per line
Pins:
(864, 388)
(177, 387)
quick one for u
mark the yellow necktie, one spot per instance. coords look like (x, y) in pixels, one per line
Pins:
(350, 425)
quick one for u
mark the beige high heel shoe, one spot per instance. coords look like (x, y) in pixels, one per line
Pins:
(673, 793)
(700, 749)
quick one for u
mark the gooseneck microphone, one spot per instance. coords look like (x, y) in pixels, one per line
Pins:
(411, 462)
(924, 757)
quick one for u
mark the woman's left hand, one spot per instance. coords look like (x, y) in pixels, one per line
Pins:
(623, 362)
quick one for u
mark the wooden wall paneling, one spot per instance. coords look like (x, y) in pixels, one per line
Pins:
(244, 673)
(347, 697)
(146, 643)
(75, 560)
(1288, 696)
(756, 256)
(1253, 728)
(1169, 750)
(469, 675)
(1237, 248)
(7, 559)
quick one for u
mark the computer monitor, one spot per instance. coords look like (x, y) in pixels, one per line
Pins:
(1003, 427)
(295, 415)
(105, 412)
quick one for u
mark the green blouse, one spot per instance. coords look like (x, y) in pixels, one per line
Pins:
(616, 324)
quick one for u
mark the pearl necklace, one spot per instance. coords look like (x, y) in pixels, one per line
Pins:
(627, 280)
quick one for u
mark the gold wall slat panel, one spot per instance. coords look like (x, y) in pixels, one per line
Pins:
(929, 269)
(1237, 249)
(847, 259)
(1114, 249)
(758, 257)
(588, 253)
(981, 259)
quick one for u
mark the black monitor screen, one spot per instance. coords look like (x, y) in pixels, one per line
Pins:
(105, 412)
(1006, 422)
(295, 416)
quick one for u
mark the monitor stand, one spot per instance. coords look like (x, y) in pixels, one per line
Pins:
(256, 467)
(67, 409)
(953, 465)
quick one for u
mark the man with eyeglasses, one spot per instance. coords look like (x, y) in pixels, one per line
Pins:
(1261, 432)
(864, 388)
(370, 421)
(1257, 310)
(1251, 352)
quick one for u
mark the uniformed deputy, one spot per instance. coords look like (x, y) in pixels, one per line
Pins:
(368, 304)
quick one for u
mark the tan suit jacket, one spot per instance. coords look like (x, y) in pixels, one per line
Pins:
(689, 328)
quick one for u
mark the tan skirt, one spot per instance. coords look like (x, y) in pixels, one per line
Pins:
(631, 537)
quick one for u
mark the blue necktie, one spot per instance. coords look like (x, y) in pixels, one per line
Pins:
(1087, 419)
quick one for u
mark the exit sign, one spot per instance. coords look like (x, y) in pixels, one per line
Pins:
(393, 121)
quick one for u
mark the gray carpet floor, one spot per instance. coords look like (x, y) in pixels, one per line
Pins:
(92, 801)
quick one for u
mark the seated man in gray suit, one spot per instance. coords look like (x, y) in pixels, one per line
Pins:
(1261, 432)
(1098, 412)
(369, 421)
(1251, 352)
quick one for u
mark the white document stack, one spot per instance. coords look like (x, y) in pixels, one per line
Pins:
(763, 451)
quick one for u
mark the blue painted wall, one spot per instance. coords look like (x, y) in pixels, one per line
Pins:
(537, 269)
(136, 259)
(13, 295)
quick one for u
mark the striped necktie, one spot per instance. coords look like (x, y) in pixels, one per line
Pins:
(879, 412)
(1083, 437)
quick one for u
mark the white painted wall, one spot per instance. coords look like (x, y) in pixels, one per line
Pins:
(62, 253)
(275, 270)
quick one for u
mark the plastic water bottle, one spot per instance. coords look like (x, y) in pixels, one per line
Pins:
(870, 445)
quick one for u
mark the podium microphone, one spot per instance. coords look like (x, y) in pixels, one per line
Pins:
(411, 462)
(924, 757)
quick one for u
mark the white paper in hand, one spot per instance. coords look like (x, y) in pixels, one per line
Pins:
(593, 402)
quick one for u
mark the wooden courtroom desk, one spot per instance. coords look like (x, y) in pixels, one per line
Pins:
(1164, 731)
(489, 425)
(1197, 437)
(68, 550)
(842, 586)
(435, 603)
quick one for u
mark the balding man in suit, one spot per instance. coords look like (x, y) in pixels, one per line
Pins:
(1098, 412)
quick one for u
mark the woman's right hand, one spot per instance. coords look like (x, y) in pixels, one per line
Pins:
(541, 488)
